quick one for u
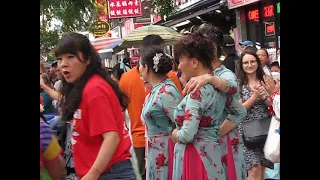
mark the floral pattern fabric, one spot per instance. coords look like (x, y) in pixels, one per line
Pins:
(258, 111)
(234, 112)
(198, 119)
(157, 114)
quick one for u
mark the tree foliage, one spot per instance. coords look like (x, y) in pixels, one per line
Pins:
(79, 15)
(74, 15)
(48, 40)
(163, 8)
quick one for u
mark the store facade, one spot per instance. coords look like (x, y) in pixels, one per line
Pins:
(258, 21)
(193, 14)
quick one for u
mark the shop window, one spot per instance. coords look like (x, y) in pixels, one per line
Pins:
(253, 23)
(263, 23)
(268, 10)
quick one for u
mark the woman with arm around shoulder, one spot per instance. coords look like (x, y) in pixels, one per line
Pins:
(100, 141)
(225, 81)
(197, 149)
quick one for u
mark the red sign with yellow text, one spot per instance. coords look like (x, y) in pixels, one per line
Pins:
(124, 8)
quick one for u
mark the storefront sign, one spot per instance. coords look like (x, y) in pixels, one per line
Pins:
(101, 28)
(268, 11)
(253, 15)
(185, 3)
(155, 18)
(102, 6)
(124, 8)
(269, 28)
(127, 27)
(137, 25)
(115, 32)
(278, 7)
(238, 3)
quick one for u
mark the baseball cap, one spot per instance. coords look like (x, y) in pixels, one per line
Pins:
(246, 43)
(228, 44)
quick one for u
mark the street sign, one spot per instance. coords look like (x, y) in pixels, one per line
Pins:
(101, 28)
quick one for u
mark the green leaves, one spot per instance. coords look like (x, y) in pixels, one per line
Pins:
(74, 15)
(47, 41)
(164, 8)
(79, 15)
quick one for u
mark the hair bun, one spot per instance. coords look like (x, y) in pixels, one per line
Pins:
(165, 64)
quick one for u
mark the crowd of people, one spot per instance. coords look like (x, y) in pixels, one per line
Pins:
(200, 114)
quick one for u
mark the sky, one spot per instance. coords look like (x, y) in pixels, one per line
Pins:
(54, 22)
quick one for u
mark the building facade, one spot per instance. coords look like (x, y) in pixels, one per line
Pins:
(258, 21)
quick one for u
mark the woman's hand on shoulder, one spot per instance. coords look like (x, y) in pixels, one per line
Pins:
(196, 83)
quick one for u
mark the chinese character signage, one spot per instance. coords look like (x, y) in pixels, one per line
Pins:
(238, 3)
(127, 27)
(101, 28)
(101, 5)
(124, 8)
(115, 32)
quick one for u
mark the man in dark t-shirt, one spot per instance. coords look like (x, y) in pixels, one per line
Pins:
(230, 53)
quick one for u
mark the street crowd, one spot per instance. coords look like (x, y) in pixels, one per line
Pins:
(201, 112)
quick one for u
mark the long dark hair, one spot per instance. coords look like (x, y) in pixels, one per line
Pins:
(242, 76)
(215, 34)
(73, 43)
(117, 72)
(121, 68)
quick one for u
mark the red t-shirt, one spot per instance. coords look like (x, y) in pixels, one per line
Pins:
(41, 101)
(99, 112)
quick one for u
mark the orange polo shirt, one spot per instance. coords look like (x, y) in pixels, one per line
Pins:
(131, 84)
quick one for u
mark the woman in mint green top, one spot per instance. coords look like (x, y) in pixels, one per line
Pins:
(226, 82)
(157, 113)
(198, 116)
(234, 112)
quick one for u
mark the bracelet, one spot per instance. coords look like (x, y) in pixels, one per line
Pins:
(218, 84)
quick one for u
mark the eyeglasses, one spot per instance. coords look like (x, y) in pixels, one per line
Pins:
(253, 62)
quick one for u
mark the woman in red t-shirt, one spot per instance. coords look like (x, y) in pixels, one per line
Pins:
(94, 101)
(41, 101)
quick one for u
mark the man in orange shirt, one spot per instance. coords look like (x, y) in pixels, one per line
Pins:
(131, 84)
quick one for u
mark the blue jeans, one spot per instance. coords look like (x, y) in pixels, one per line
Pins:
(122, 170)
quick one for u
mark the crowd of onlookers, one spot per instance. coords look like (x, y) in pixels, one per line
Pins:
(203, 113)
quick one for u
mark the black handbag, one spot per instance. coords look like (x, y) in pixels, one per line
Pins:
(255, 132)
